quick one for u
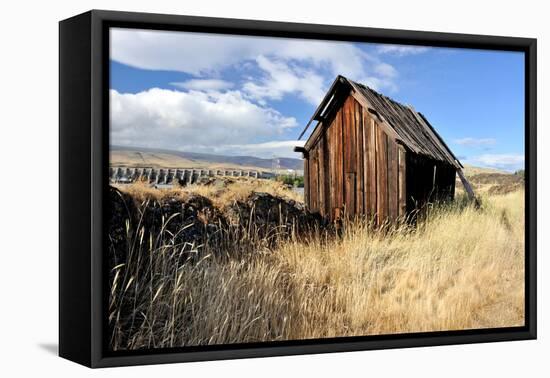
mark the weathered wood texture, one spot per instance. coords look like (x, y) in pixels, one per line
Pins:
(370, 166)
(306, 181)
(349, 144)
(402, 181)
(372, 157)
(411, 127)
(354, 169)
(314, 180)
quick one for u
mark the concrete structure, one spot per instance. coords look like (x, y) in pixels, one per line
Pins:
(168, 176)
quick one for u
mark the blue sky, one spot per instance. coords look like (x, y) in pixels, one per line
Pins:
(253, 96)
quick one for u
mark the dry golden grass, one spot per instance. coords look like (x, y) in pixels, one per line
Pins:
(141, 191)
(237, 189)
(461, 268)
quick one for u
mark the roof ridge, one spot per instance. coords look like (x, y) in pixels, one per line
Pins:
(377, 92)
(431, 143)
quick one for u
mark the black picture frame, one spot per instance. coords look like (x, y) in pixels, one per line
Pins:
(83, 175)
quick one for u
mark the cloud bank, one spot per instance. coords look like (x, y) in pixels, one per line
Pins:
(304, 67)
(191, 121)
(266, 150)
(204, 84)
(402, 50)
(476, 142)
(506, 162)
(228, 103)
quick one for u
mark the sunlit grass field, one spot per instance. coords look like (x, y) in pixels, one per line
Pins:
(459, 268)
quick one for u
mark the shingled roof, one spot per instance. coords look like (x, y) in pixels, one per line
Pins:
(411, 128)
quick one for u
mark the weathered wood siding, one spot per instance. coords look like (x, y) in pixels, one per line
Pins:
(355, 169)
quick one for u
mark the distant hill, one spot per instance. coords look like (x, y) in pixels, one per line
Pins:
(491, 181)
(470, 170)
(142, 156)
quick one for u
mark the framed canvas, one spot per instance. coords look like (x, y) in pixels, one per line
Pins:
(234, 188)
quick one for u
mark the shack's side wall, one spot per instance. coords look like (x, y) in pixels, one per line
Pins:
(355, 169)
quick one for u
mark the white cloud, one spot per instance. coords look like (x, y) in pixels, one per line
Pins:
(385, 70)
(199, 53)
(378, 84)
(507, 162)
(304, 67)
(265, 150)
(191, 120)
(281, 79)
(339, 58)
(401, 50)
(212, 114)
(193, 53)
(204, 84)
(476, 142)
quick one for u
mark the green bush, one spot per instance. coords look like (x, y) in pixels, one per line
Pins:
(296, 181)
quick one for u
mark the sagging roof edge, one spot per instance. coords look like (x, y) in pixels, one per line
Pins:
(324, 102)
(355, 90)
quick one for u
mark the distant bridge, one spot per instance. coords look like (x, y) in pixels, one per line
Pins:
(183, 176)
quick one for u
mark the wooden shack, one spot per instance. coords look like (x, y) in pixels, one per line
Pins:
(371, 156)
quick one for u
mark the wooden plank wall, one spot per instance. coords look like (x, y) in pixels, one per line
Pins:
(393, 184)
(349, 143)
(402, 181)
(359, 156)
(336, 167)
(382, 175)
(306, 181)
(356, 169)
(370, 166)
(314, 180)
